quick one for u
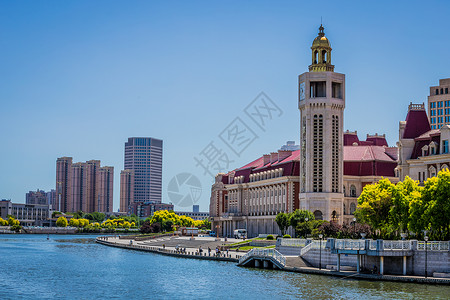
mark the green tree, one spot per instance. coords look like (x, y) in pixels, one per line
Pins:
(402, 196)
(299, 216)
(95, 216)
(206, 223)
(282, 220)
(434, 209)
(61, 222)
(56, 213)
(374, 204)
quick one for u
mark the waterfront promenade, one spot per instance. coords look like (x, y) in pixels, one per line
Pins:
(292, 263)
(185, 247)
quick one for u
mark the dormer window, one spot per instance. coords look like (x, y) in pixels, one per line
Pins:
(433, 148)
(425, 150)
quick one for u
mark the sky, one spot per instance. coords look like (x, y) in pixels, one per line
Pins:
(77, 78)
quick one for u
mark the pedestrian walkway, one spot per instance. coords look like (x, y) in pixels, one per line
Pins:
(176, 246)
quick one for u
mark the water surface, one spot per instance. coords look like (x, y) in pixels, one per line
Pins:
(74, 266)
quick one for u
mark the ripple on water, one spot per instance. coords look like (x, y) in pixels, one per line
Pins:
(33, 267)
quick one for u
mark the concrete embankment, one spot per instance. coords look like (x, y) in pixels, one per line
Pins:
(191, 253)
(293, 263)
(359, 276)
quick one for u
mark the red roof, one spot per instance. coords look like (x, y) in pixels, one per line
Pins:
(416, 124)
(367, 153)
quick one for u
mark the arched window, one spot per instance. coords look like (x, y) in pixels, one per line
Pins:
(343, 189)
(318, 215)
(352, 208)
(316, 57)
(444, 166)
(324, 56)
(352, 191)
(442, 91)
(344, 209)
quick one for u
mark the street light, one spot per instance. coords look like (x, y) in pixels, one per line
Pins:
(354, 225)
(426, 240)
(320, 252)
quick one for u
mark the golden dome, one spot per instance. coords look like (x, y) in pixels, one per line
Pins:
(321, 40)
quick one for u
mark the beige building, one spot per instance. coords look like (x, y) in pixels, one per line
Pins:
(126, 189)
(84, 186)
(321, 104)
(439, 104)
(423, 151)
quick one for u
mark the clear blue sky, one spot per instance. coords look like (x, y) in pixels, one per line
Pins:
(77, 78)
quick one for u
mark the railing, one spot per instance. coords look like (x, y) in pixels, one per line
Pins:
(350, 244)
(306, 249)
(373, 245)
(277, 256)
(293, 242)
(396, 245)
(433, 246)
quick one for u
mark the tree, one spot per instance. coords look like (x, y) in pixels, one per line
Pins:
(374, 204)
(56, 213)
(61, 222)
(402, 196)
(432, 211)
(74, 222)
(282, 220)
(206, 224)
(95, 216)
(299, 216)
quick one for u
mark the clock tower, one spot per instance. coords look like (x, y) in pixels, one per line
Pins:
(321, 104)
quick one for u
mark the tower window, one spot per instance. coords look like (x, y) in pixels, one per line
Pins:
(336, 90)
(442, 91)
(318, 89)
(437, 91)
(446, 90)
(324, 56)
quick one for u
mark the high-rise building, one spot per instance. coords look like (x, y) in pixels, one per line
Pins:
(144, 157)
(63, 184)
(41, 197)
(105, 189)
(126, 190)
(321, 104)
(36, 197)
(439, 104)
(84, 186)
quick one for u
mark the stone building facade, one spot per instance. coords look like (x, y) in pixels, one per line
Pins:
(423, 151)
(325, 176)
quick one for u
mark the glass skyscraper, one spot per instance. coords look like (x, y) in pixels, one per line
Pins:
(144, 157)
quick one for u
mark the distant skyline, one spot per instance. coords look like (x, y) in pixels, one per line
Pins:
(78, 78)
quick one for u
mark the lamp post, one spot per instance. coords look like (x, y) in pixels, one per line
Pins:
(426, 240)
(320, 251)
(354, 225)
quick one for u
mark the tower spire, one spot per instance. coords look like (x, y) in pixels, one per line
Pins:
(321, 53)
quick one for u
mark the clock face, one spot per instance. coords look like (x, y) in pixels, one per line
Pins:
(302, 91)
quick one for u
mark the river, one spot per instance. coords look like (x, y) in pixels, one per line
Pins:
(74, 266)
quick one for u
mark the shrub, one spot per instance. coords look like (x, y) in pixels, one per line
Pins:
(286, 236)
(62, 222)
(270, 237)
